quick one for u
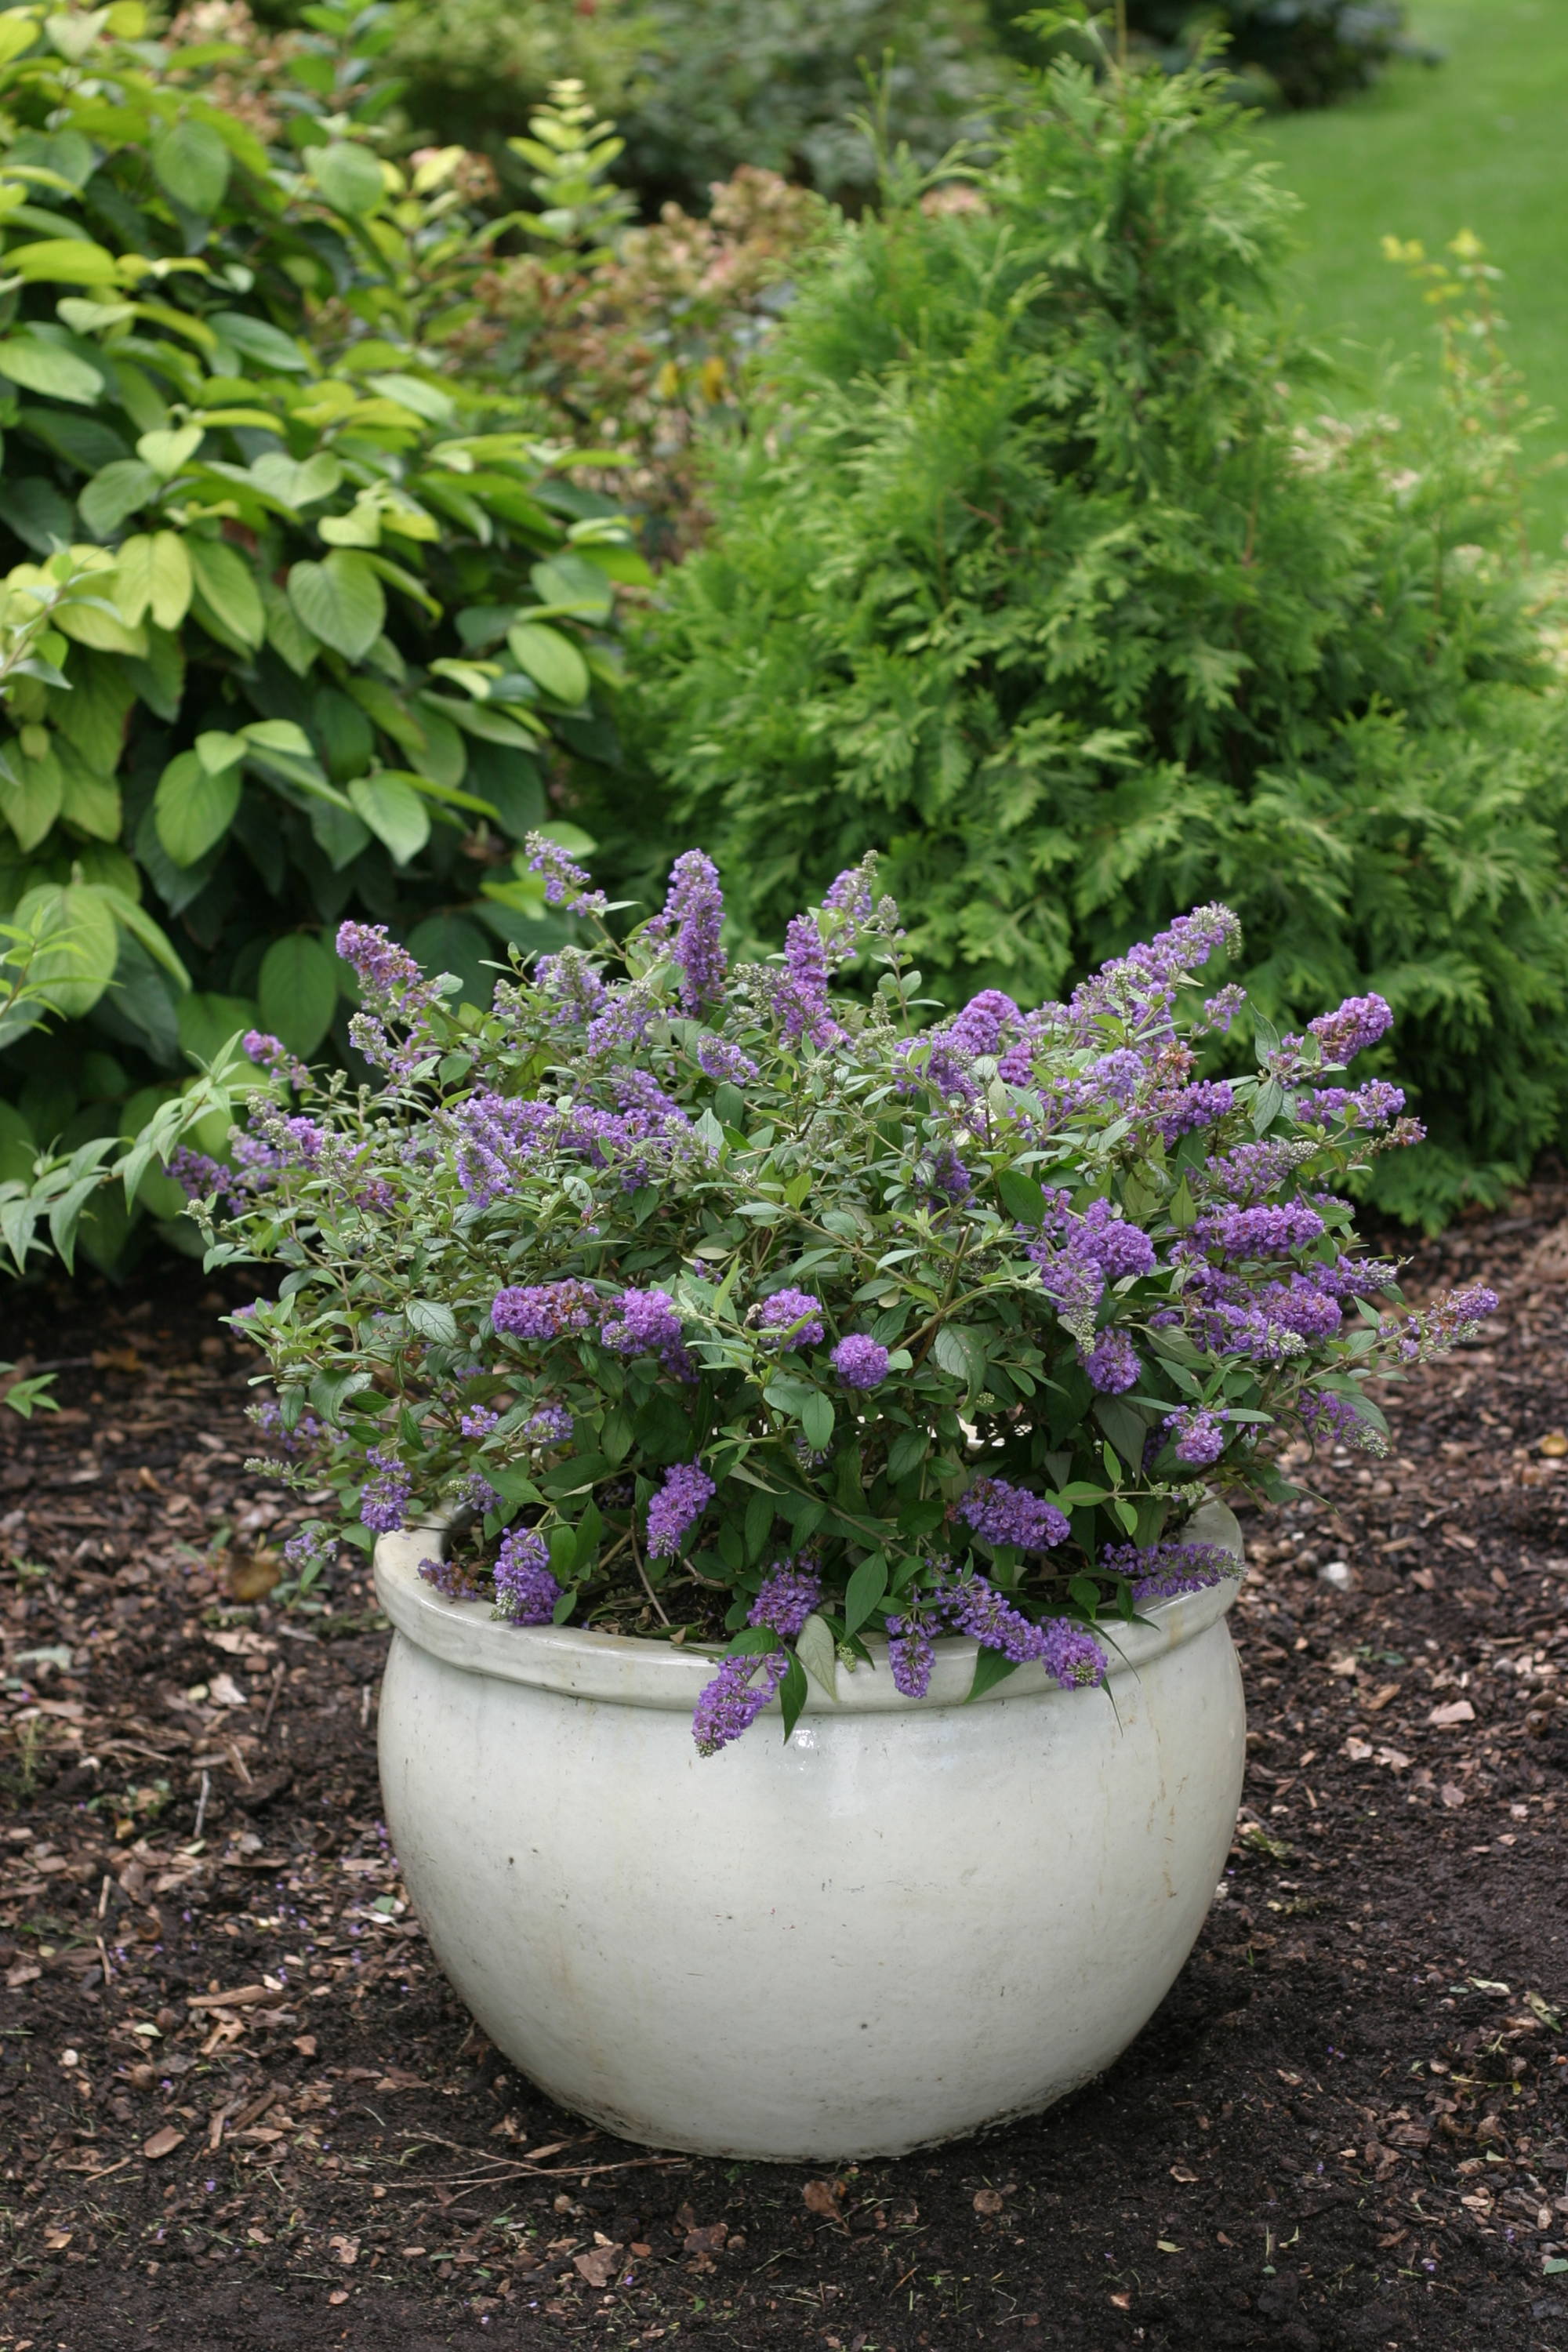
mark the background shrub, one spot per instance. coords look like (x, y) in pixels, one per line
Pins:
(1024, 576)
(341, 617)
(1286, 52)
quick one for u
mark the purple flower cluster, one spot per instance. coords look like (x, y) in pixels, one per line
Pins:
(1454, 1315)
(450, 1579)
(1329, 1419)
(692, 919)
(1112, 1363)
(270, 1053)
(1357, 1024)
(644, 1323)
(1159, 1571)
(1198, 1435)
(498, 1137)
(308, 1550)
(722, 1061)
(800, 990)
(1262, 1232)
(384, 1497)
(1186, 1107)
(526, 1592)
(1004, 1514)
(675, 1510)
(791, 1318)
(1072, 1656)
(790, 1591)
(392, 989)
(565, 885)
(479, 1420)
(732, 1702)
(551, 1425)
(911, 1654)
(544, 1310)
(1371, 1105)
(860, 1362)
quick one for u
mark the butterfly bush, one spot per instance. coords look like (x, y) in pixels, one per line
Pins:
(748, 1306)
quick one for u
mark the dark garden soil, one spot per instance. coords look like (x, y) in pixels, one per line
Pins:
(238, 2107)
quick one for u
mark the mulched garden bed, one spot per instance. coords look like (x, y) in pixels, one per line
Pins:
(238, 2107)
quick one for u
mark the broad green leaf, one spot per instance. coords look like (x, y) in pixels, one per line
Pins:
(794, 1691)
(192, 809)
(991, 1667)
(412, 392)
(551, 659)
(135, 919)
(44, 367)
(816, 1420)
(114, 492)
(217, 751)
(1021, 1196)
(80, 945)
(225, 585)
(16, 34)
(89, 801)
(279, 735)
(63, 262)
(192, 164)
(432, 1319)
(341, 601)
(298, 482)
(867, 1586)
(299, 992)
(818, 1653)
(573, 584)
(955, 1350)
(261, 341)
(394, 813)
(92, 620)
(31, 791)
(348, 176)
(166, 452)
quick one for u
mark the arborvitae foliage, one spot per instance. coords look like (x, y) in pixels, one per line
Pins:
(1026, 576)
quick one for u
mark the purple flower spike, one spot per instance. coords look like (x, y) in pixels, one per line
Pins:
(860, 1362)
(566, 886)
(911, 1654)
(1358, 1023)
(792, 1318)
(526, 1592)
(543, 1310)
(676, 1508)
(1112, 1363)
(789, 1594)
(1198, 1434)
(1010, 1515)
(732, 1702)
(694, 914)
(386, 1497)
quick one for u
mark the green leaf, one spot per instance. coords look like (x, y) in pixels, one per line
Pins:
(91, 801)
(867, 1588)
(816, 1420)
(339, 601)
(758, 1522)
(394, 813)
(348, 176)
(991, 1667)
(225, 585)
(258, 340)
(63, 262)
(1183, 1211)
(297, 482)
(1124, 1426)
(432, 1320)
(80, 945)
(958, 1353)
(166, 452)
(1021, 1196)
(192, 164)
(1267, 1104)
(192, 809)
(818, 1653)
(155, 576)
(298, 989)
(551, 659)
(40, 366)
(31, 791)
(114, 492)
(134, 919)
(793, 1690)
(908, 1451)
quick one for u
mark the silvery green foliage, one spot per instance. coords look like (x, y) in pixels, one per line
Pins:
(707, 1292)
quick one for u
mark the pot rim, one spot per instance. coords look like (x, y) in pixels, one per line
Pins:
(625, 1670)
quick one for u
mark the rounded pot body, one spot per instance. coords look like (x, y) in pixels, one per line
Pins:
(911, 1919)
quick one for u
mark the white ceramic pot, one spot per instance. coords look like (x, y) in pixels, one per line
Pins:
(914, 1920)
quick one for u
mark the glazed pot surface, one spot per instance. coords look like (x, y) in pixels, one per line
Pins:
(913, 1919)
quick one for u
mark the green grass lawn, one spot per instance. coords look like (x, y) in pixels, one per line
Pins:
(1479, 142)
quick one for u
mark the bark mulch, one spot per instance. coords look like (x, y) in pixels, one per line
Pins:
(239, 2109)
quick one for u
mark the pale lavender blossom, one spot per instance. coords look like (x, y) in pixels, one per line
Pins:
(526, 1592)
(791, 1318)
(384, 1497)
(1004, 1514)
(860, 1362)
(732, 1702)
(675, 1510)
(790, 1591)
(692, 919)
(1112, 1363)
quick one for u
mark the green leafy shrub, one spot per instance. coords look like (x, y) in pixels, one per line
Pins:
(1026, 576)
(700, 86)
(1286, 52)
(347, 613)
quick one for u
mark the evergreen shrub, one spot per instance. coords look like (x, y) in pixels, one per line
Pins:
(1029, 575)
(345, 614)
